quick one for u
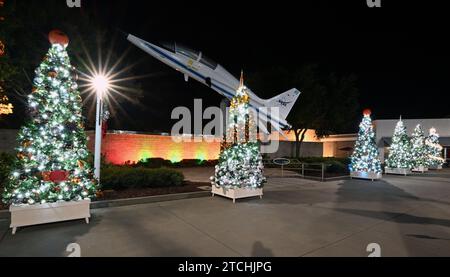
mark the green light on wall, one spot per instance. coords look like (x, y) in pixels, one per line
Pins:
(200, 155)
(175, 156)
(145, 154)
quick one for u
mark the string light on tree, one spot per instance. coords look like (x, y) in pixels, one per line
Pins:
(52, 154)
(240, 162)
(419, 150)
(364, 160)
(400, 151)
(434, 150)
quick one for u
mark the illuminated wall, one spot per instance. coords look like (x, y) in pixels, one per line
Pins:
(120, 148)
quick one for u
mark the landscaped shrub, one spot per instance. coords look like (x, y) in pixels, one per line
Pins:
(337, 167)
(159, 162)
(195, 163)
(6, 163)
(153, 163)
(122, 177)
(326, 160)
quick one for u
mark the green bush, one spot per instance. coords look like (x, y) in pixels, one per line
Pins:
(337, 167)
(7, 162)
(122, 177)
(195, 163)
(159, 162)
(153, 163)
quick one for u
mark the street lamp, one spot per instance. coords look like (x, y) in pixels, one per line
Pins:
(100, 84)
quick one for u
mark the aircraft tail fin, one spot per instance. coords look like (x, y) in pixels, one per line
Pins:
(284, 101)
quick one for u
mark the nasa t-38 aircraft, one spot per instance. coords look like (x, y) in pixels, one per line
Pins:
(193, 64)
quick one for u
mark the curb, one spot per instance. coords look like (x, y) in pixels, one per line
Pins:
(4, 214)
(148, 199)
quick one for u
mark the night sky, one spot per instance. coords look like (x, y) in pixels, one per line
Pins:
(400, 54)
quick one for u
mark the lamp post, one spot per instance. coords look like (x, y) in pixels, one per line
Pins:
(101, 84)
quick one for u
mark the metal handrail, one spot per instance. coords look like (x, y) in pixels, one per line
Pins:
(302, 166)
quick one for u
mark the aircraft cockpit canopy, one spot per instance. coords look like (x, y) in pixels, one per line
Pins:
(190, 53)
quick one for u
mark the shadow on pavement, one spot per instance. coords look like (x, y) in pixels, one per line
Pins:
(362, 190)
(426, 237)
(382, 192)
(397, 217)
(259, 250)
(46, 240)
(348, 191)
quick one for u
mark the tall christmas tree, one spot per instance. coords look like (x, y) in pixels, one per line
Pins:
(240, 162)
(52, 155)
(400, 150)
(433, 150)
(365, 156)
(418, 153)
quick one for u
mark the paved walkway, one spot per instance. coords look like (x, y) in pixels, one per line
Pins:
(406, 216)
(202, 174)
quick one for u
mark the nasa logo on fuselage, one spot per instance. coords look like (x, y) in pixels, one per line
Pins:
(283, 103)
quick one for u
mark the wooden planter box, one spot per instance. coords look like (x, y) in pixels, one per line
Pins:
(236, 193)
(27, 215)
(421, 169)
(397, 171)
(365, 175)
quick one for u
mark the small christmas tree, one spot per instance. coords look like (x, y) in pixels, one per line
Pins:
(400, 150)
(365, 155)
(433, 150)
(240, 162)
(52, 154)
(418, 153)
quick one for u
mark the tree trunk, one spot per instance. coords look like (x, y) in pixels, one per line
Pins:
(299, 137)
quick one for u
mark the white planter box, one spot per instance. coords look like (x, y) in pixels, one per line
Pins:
(236, 193)
(436, 167)
(365, 175)
(397, 171)
(420, 169)
(27, 215)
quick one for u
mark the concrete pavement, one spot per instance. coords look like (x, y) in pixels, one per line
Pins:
(406, 216)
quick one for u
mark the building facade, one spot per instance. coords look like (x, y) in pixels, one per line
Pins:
(120, 147)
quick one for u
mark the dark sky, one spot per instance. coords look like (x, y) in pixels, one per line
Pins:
(399, 53)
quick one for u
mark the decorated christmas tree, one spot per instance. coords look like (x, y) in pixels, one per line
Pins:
(52, 155)
(401, 149)
(419, 153)
(433, 150)
(365, 155)
(240, 162)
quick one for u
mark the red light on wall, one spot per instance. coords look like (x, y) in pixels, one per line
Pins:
(122, 148)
